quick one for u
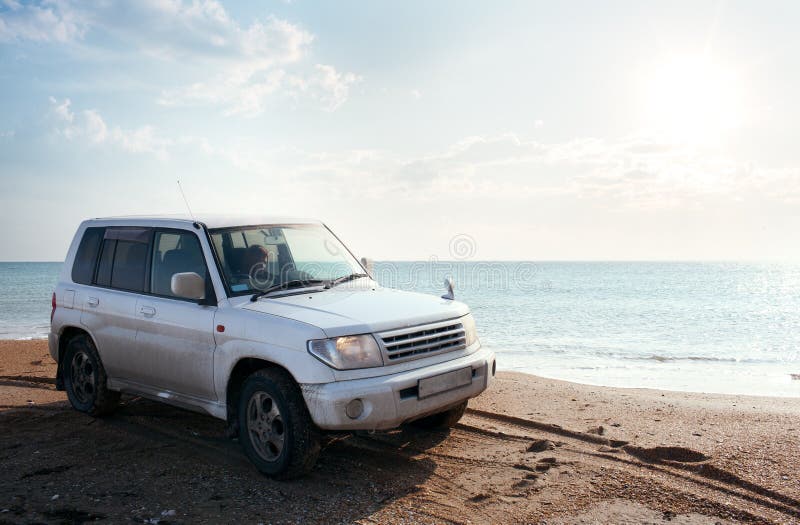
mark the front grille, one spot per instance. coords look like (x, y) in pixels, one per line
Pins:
(422, 341)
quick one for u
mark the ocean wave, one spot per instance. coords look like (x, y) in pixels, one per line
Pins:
(582, 352)
(664, 358)
(708, 359)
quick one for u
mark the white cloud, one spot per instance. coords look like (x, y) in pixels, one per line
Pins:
(627, 173)
(335, 86)
(236, 91)
(244, 90)
(89, 125)
(52, 21)
(94, 127)
(327, 85)
(255, 62)
(62, 109)
(217, 61)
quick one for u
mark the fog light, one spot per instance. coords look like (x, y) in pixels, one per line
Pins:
(354, 409)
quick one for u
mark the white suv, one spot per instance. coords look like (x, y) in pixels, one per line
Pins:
(270, 324)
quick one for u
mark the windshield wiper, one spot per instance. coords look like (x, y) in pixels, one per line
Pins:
(345, 278)
(294, 283)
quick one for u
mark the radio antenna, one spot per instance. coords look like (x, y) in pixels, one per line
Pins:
(184, 199)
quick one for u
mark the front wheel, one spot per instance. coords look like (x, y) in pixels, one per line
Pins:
(442, 420)
(85, 379)
(275, 429)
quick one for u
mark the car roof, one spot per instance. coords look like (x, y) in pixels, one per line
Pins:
(211, 220)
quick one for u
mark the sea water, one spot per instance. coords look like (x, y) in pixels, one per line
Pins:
(26, 290)
(704, 327)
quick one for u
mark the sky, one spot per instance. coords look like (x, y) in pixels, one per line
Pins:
(450, 129)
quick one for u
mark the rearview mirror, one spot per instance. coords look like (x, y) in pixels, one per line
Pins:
(188, 285)
(449, 289)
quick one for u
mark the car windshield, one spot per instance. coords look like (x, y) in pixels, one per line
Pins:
(257, 258)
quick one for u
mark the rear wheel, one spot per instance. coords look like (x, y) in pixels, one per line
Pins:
(442, 420)
(85, 378)
(275, 429)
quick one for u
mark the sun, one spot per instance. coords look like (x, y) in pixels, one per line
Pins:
(692, 99)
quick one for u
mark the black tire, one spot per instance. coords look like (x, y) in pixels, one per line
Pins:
(442, 420)
(275, 428)
(85, 379)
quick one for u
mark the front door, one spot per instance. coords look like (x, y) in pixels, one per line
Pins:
(175, 338)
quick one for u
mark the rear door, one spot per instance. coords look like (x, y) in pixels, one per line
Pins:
(175, 339)
(109, 304)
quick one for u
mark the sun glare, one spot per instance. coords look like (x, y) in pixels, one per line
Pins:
(693, 100)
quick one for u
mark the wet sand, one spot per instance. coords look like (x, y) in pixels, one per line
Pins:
(529, 450)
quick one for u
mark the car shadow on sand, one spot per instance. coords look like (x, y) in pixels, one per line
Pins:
(150, 463)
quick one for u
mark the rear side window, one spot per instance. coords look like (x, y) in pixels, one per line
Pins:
(123, 259)
(106, 261)
(86, 257)
(130, 264)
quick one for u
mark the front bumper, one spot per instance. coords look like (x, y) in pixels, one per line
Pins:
(391, 400)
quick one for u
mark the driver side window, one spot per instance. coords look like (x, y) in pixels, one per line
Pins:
(174, 252)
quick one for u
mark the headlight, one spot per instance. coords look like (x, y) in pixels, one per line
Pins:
(351, 351)
(470, 333)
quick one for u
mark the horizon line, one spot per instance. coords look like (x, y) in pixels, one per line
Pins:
(436, 260)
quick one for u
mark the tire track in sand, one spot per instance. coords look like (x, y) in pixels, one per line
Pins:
(672, 464)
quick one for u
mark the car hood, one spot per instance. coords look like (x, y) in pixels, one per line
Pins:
(347, 310)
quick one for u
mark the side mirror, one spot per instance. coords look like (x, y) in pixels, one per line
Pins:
(188, 285)
(448, 286)
(368, 264)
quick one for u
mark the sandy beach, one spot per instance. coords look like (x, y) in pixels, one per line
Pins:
(530, 450)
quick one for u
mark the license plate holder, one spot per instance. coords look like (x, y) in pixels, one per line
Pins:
(430, 386)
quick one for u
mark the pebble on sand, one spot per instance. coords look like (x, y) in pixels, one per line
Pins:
(541, 445)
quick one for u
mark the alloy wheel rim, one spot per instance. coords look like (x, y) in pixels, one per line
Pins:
(265, 426)
(82, 374)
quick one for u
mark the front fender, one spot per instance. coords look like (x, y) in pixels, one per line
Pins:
(299, 363)
(270, 338)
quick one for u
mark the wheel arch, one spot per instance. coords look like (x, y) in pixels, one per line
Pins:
(65, 336)
(241, 371)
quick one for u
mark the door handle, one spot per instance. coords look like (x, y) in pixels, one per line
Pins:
(92, 301)
(147, 311)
